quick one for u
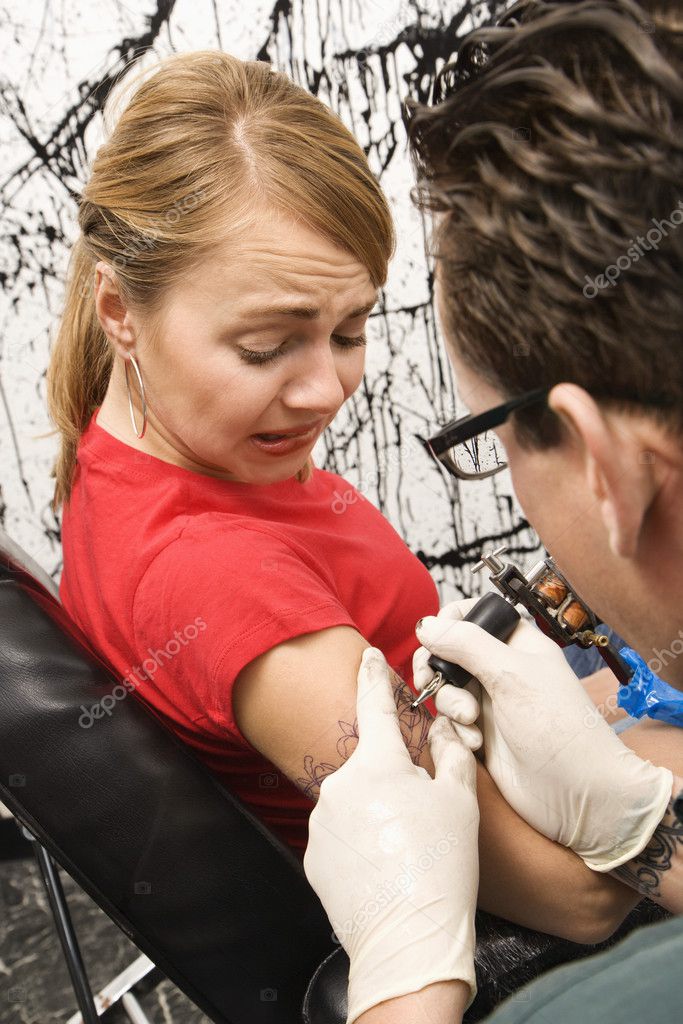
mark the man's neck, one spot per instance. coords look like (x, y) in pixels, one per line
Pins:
(658, 633)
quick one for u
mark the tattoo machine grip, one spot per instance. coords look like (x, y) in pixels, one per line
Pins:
(492, 613)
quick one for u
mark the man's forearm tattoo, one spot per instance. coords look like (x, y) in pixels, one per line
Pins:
(645, 872)
(414, 723)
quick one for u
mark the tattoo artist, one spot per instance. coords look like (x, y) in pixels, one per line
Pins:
(597, 464)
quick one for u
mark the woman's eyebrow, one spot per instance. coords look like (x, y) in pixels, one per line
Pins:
(303, 312)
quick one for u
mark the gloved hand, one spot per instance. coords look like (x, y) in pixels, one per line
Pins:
(392, 853)
(460, 704)
(553, 757)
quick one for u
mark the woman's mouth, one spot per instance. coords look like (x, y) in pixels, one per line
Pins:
(283, 444)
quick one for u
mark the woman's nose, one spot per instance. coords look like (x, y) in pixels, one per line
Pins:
(316, 386)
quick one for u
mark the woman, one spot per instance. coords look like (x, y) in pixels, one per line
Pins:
(199, 545)
(233, 241)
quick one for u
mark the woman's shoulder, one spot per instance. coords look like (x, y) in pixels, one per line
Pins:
(210, 545)
(229, 533)
(241, 575)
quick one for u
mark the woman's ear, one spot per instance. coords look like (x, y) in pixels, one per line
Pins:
(112, 311)
(620, 471)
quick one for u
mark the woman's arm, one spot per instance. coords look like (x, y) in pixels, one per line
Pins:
(296, 704)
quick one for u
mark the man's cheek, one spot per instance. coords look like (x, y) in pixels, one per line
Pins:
(523, 487)
(536, 501)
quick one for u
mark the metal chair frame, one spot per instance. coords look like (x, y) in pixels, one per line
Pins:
(91, 1007)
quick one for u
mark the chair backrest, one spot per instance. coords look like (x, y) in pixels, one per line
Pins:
(216, 901)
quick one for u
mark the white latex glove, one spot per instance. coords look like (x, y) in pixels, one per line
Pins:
(460, 704)
(392, 853)
(552, 755)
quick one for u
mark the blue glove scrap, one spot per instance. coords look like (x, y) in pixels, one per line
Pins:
(647, 694)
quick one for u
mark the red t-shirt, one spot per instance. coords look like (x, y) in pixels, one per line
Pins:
(180, 580)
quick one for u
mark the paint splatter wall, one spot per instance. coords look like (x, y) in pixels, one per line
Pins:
(362, 57)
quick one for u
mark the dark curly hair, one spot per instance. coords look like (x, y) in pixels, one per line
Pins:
(552, 146)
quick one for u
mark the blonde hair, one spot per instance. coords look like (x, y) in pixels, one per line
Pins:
(203, 141)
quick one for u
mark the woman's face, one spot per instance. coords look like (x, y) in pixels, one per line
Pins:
(260, 340)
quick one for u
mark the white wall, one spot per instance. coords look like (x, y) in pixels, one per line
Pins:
(370, 54)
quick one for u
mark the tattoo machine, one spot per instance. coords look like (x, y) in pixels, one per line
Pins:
(554, 604)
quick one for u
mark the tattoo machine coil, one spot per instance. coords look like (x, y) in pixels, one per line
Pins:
(554, 604)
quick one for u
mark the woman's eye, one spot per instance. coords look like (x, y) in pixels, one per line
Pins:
(254, 357)
(345, 342)
(250, 355)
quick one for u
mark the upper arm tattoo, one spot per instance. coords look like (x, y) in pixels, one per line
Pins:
(414, 723)
(645, 872)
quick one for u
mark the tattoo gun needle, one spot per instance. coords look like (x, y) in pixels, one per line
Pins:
(429, 690)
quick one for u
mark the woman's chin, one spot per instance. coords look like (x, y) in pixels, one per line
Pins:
(287, 469)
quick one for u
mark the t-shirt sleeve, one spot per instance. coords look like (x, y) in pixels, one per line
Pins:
(245, 590)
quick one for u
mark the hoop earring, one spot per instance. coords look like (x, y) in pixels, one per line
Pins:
(132, 360)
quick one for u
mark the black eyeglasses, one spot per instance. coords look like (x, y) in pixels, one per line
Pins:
(469, 450)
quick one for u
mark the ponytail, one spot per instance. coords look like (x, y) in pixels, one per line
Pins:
(79, 369)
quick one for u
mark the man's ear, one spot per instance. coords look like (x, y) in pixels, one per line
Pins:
(112, 311)
(620, 471)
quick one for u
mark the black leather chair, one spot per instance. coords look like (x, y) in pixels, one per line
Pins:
(196, 882)
(201, 887)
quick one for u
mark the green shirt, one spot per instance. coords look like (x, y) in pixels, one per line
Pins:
(636, 982)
